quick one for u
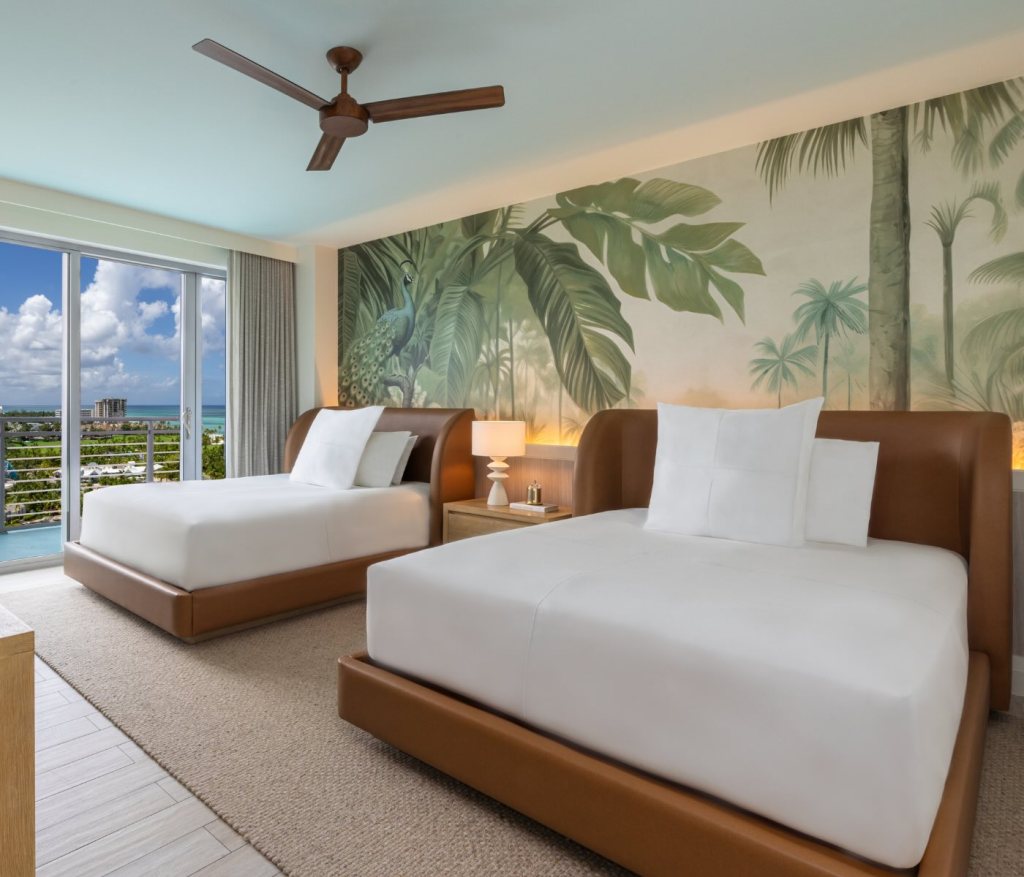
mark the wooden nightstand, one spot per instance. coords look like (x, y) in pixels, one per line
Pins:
(474, 517)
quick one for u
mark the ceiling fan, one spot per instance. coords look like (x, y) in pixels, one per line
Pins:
(342, 117)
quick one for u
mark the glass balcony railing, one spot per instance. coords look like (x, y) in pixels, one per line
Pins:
(114, 450)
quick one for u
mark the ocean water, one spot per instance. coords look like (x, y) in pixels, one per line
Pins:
(213, 415)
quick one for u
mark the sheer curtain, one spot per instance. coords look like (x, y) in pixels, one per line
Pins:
(261, 367)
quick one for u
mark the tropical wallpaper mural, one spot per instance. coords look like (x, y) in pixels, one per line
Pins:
(878, 262)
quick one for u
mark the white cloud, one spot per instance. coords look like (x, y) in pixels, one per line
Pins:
(113, 317)
(116, 320)
(30, 345)
(211, 300)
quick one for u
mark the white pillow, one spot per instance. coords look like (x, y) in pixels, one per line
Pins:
(733, 474)
(403, 461)
(329, 457)
(839, 492)
(380, 457)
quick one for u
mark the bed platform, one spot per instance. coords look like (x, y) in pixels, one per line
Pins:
(943, 480)
(441, 458)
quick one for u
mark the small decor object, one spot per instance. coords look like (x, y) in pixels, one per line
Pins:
(498, 439)
(533, 493)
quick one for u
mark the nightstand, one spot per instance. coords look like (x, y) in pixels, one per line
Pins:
(474, 517)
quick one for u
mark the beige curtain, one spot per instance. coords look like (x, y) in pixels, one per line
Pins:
(261, 369)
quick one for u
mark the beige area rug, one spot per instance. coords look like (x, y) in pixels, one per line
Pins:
(249, 723)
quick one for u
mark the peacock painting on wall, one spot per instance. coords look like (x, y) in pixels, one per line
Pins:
(878, 262)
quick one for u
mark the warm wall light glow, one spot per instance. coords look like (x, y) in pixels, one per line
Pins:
(499, 438)
(549, 435)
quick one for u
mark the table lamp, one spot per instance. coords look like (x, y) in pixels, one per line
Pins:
(498, 439)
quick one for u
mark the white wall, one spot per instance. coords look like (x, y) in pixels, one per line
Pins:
(316, 289)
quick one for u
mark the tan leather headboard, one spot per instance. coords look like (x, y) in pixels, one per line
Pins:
(441, 456)
(943, 479)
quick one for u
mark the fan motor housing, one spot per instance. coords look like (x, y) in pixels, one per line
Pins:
(344, 118)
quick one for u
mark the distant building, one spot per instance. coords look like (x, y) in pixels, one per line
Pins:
(109, 407)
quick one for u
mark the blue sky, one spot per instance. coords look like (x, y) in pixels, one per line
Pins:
(130, 339)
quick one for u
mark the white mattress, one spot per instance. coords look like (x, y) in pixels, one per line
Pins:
(820, 686)
(197, 534)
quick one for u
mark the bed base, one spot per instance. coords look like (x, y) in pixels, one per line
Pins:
(651, 826)
(197, 615)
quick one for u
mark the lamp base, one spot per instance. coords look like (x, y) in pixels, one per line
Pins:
(498, 474)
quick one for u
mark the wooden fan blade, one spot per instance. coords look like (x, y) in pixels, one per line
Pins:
(436, 104)
(232, 59)
(326, 151)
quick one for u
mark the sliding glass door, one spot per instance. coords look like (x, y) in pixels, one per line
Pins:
(212, 393)
(132, 352)
(151, 342)
(130, 370)
(31, 341)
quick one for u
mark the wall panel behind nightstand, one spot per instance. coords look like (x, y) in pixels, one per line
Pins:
(555, 477)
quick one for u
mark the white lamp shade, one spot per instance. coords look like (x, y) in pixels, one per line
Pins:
(499, 438)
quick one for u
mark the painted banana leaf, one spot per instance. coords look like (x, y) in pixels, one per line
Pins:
(686, 263)
(457, 338)
(367, 273)
(576, 308)
(350, 278)
(468, 273)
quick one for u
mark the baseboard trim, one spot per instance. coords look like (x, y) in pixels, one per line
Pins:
(1018, 675)
(31, 563)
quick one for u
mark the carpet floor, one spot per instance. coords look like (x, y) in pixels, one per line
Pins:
(248, 722)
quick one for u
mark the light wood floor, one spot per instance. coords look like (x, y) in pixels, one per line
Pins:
(103, 807)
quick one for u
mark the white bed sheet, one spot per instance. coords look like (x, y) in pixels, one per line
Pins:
(818, 686)
(198, 534)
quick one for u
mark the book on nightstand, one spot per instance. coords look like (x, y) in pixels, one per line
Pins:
(537, 509)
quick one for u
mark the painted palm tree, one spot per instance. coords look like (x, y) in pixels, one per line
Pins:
(1003, 144)
(1008, 269)
(362, 379)
(999, 340)
(851, 362)
(1000, 337)
(1004, 269)
(833, 311)
(966, 116)
(945, 220)
(781, 365)
(990, 376)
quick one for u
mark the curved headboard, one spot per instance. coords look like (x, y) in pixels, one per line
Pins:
(943, 479)
(441, 456)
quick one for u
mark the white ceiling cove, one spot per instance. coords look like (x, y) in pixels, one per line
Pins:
(107, 99)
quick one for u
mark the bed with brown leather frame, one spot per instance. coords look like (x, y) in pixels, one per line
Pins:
(441, 458)
(943, 479)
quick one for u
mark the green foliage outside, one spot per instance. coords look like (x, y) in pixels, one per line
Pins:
(213, 458)
(33, 488)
